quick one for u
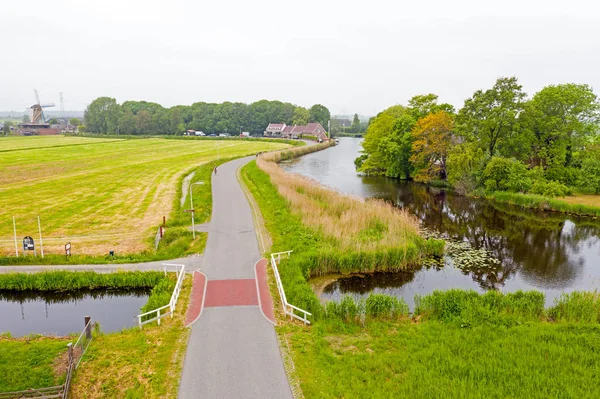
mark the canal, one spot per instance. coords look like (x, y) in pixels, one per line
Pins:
(61, 313)
(524, 249)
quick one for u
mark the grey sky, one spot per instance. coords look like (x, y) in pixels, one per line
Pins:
(357, 56)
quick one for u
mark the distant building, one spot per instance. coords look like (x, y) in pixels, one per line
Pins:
(342, 122)
(295, 132)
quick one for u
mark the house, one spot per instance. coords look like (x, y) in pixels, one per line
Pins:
(296, 131)
(274, 129)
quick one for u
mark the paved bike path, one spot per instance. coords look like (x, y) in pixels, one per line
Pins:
(232, 350)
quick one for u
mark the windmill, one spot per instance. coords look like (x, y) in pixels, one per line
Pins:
(37, 111)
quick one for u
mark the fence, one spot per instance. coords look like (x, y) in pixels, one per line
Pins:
(158, 236)
(75, 353)
(288, 309)
(180, 270)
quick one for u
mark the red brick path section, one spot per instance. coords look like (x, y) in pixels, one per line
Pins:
(266, 302)
(196, 298)
(240, 292)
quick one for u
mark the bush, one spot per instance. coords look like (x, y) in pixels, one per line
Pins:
(506, 174)
(550, 189)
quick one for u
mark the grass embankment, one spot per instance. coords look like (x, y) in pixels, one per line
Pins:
(98, 194)
(459, 345)
(587, 205)
(136, 363)
(31, 362)
(131, 363)
(329, 232)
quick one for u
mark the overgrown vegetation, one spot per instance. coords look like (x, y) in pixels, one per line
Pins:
(547, 145)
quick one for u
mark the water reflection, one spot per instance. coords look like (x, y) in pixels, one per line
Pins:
(540, 250)
(61, 313)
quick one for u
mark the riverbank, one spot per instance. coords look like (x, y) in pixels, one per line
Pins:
(581, 205)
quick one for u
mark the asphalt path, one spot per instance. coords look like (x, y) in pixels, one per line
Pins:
(191, 263)
(232, 350)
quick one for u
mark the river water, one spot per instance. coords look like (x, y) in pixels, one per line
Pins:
(62, 313)
(545, 251)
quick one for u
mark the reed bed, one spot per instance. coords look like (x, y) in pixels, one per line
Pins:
(67, 280)
(354, 224)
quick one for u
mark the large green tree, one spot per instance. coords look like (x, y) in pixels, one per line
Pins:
(489, 117)
(558, 122)
(301, 116)
(320, 114)
(102, 115)
(127, 122)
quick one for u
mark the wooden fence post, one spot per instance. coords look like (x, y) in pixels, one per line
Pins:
(70, 350)
(88, 327)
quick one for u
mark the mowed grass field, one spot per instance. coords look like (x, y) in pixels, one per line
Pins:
(99, 194)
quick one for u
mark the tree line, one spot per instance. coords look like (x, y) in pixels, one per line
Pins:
(105, 115)
(500, 140)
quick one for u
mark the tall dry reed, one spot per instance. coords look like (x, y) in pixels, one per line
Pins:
(356, 224)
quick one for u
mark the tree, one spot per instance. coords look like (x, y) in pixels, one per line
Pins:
(320, 114)
(176, 121)
(6, 127)
(380, 128)
(432, 137)
(301, 116)
(590, 170)
(143, 122)
(102, 115)
(26, 119)
(422, 105)
(558, 122)
(489, 117)
(127, 122)
(355, 124)
(53, 121)
(74, 122)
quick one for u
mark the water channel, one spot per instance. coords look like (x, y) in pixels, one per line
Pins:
(546, 251)
(62, 313)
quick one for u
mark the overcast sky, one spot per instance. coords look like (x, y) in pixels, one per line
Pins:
(352, 56)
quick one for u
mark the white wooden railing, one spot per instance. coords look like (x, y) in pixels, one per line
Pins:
(288, 309)
(162, 311)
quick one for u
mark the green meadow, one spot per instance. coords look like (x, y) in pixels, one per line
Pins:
(100, 194)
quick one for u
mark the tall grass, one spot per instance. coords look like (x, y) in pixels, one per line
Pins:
(578, 306)
(354, 224)
(541, 202)
(67, 280)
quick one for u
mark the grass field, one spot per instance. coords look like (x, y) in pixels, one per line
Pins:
(30, 363)
(99, 194)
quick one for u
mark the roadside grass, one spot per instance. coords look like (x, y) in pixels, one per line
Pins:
(29, 362)
(400, 358)
(100, 194)
(136, 363)
(579, 204)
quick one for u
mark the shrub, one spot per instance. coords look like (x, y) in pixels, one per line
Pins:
(385, 307)
(506, 174)
(550, 189)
